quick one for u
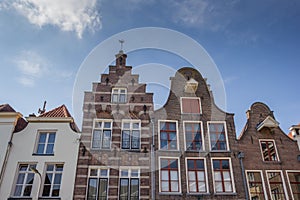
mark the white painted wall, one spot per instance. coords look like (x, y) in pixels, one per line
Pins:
(65, 151)
(7, 125)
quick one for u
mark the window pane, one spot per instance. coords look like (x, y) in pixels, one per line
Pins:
(200, 164)
(51, 138)
(96, 139)
(134, 191)
(218, 176)
(165, 186)
(174, 175)
(55, 190)
(50, 168)
(49, 149)
(21, 178)
(57, 179)
(201, 176)
(92, 189)
(124, 188)
(40, 148)
(192, 176)
(46, 190)
(102, 188)
(107, 124)
(164, 175)
(193, 187)
(201, 187)
(103, 172)
(48, 178)
(174, 186)
(18, 190)
(228, 187)
(42, 138)
(219, 187)
(226, 176)
(27, 190)
(173, 164)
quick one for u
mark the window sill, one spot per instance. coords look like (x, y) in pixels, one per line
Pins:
(272, 162)
(220, 151)
(169, 150)
(19, 198)
(225, 194)
(170, 193)
(197, 194)
(49, 198)
(39, 154)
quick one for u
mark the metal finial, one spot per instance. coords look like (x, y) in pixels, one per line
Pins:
(121, 42)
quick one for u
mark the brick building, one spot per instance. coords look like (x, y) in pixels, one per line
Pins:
(195, 142)
(270, 157)
(185, 150)
(114, 156)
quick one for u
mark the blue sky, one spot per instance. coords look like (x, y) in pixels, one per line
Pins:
(254, 44)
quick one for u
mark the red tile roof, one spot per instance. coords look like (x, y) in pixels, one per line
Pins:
(59, 112)
(6, 108)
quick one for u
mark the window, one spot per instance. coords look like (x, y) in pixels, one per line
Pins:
(169, 175)
(52, 180)
(196, 176)
(118, 95)
(218, 136)
(294, 180)
(46, 143)
(129, 184)
(223, 182)
(101, 134)
(193, 136)
(168, 135)
(131, 134)
(97, 184)
(190, 105)
(256, 185)
(24, 180)
(276, 185)
(268, 150)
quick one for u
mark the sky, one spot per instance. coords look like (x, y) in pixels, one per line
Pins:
(254, 45)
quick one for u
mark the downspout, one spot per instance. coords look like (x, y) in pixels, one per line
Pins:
(241, 155)
(7, 152)
(152, 163)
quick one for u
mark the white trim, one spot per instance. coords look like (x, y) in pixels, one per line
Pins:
(261, 151)
(159, 174)
(93, 128)
(130, 130)
(283, 183)
(54, 172)
(181, 106)
(205, 173)
(262, 180)
(289, 182)
(202, 134)
(98, 168)
(129, 168)
(118, 93)
(226, 135)
(231, 175)
(47, 131)
(177, 137)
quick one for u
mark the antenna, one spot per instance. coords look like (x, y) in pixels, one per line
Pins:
(121, 43)
(44, 108)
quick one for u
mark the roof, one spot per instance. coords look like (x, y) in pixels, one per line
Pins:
(59, 112)
(6, 108)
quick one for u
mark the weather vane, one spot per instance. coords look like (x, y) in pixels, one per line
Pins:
(121, 42)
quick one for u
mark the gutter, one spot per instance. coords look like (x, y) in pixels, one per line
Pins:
(7, 152)
(241, 155)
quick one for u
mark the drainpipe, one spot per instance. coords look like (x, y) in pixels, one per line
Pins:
(152, 163)
(7, 152)
(241, 155)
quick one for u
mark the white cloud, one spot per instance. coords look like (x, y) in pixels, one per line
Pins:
(32, 67)
(203, 14)
(68, 15)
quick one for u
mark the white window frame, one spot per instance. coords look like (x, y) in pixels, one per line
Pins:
(118, 93)
(226, 135)
(261, 151)
(181, 105)
(283, 183)
(262, 179)
(179, 176)
(47, 132)
(202, 134)
(205, 174)
(101, 129)
(231, 174)
(130, 135)
(99, 176)
(54, 172)
(129, 169)
(289, 181)
(28, 171)
(177, 142)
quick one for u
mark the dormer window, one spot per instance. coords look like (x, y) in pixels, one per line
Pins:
(119, 95)
(191, 86)
(269, 122)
